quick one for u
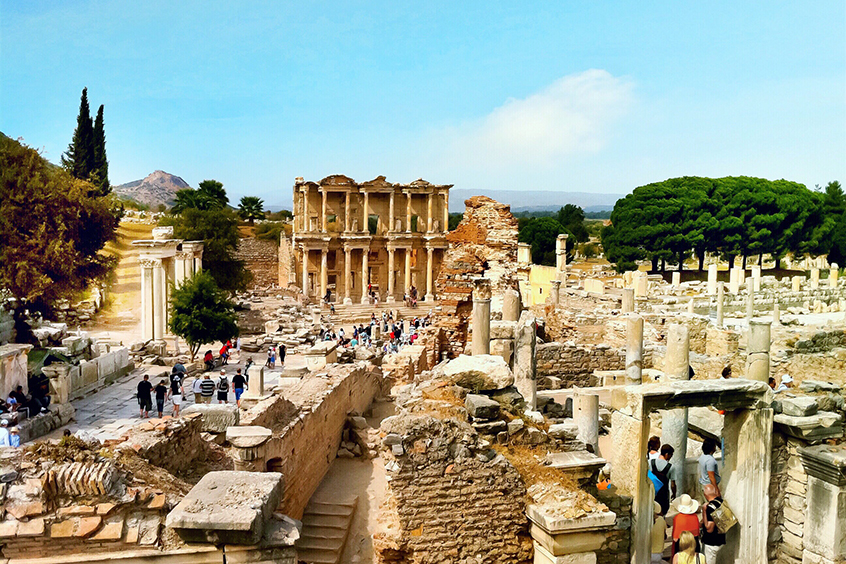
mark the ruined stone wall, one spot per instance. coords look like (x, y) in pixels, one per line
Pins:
(158, 444)
(287, 264)
(307, 445)
(788, 505)
(617, 546)
(454, 506)
(822, 341)
(697, 326)
(564, 365)
(261, 258)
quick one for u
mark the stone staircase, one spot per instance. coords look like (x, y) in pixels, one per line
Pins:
(326, 525)
(360, 313)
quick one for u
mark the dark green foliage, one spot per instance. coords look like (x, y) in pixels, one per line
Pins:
(218, 229)
(52, 227)
(209, 196)
(270, 231)
(86, 155)
(454, 220)
(251, 208)
(605, 214)
(541, 234)
(101, 163)
(201, 313)
(572, 218)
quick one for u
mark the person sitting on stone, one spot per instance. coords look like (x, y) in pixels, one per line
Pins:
(39, 388)
(4, 433)
(771, 382)
(15, 437)
(208, 359)
(786, 383)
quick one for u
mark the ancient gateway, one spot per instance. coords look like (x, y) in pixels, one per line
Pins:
(350, 236)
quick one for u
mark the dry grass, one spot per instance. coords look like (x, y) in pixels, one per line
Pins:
(529, 462)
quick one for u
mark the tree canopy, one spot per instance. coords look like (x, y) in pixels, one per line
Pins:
(733, 216)
(251, 208)
(210, 195)
(52, 227)
(85, 158)
(541, 233)
(201, 313)
(572, 218)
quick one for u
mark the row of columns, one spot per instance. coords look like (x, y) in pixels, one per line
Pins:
(348, 226)
(157, 273)
(737, 277)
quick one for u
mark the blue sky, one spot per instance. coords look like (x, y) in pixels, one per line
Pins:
(564, 96)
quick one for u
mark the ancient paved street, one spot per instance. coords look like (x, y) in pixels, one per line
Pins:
(111, 411)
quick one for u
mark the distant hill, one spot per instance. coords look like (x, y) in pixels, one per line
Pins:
(159, 187)
(536, 200)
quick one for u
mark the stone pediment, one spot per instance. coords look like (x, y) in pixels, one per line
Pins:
(378, 182)
(337, 180)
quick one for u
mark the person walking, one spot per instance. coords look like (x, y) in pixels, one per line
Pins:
(197, 390)
(238, 385)
(283, 350)
(712, 539)
(687, 551)
(161, 396)
(709, 471)
(663, 476)
(176, 392)
(145, 401)
(247, 366)
(207, 388)
(223, 387)
(687, 520)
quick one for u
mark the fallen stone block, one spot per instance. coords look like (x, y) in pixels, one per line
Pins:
(564, 431)
(799, 407)
(490, 427)
(216, 418)
(479, 372)
(481, 407)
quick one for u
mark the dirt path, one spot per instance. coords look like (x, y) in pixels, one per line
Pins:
(120, 320)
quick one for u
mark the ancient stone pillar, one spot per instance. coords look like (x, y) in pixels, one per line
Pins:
(676, 279)
(446, 211)
(159, 301)
(750, 303)
(833, 274)
(347, 275)
(525, 361)
(815, 278)
(323, 212)
(524, 253)
(758, 351)
(756, 278)
(481, 317)
(734, 280)
(255, 388)
(511, 305)
(776, 313)
(676, 368)
(430, 260)
(305, 271)
(796, 282)
(408, 212)
(825, 511)
(148, 313)
(628, 300)
(634, 349)
(690, 305)
(429, 209)
(561, 252)
(555, 292)
(712, 279)
(391, 225)
(324, 272)
(720, 302)
(347, 212)
(365, 212)
(304, 223)
(391, 274)
(641, 286)
(586, 414)
(365, 274)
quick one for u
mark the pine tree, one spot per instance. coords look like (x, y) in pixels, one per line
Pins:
(79, 158)
(101, 163)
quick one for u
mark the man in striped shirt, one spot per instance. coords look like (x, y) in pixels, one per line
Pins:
(207, 388)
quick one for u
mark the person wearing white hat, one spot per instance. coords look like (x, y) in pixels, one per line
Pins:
(686, 520)
(786, 383)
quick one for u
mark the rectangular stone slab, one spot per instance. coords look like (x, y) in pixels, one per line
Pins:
(227, 507)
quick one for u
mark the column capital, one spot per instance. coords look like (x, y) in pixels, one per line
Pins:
(149, 262)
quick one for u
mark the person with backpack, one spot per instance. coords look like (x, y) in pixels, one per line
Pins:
(663, 476)
(223, 387)
(712, 539)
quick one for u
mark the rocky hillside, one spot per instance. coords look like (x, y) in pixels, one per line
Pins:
(159, 187)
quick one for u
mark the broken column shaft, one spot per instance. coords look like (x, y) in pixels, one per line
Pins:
(482, 317)
(758, 351)
(634, 349)
(677, 367)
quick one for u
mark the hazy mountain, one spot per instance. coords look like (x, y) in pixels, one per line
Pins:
(159, 187)
(536, 200)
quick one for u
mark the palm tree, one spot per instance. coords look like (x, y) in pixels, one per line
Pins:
(185, 199)
(251, 208)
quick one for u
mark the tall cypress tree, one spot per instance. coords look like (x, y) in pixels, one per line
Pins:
(101, 163)
(79, 158)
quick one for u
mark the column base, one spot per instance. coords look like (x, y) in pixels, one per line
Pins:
(429, 298)
(365, 299)
(347, 301)
(390, 299)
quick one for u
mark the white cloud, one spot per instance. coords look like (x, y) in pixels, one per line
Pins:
(571, 116)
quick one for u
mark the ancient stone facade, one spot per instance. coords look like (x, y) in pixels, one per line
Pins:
(261, 258)
(351, 236)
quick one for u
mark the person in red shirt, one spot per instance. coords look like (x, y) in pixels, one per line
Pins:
(686, 520)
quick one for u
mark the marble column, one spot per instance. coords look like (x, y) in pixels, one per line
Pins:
(750, 303)
(148, 313)
(720, 303)
(676, 279)
(446, 212)
(391, 226)
(430, 198)
(734, 280)
(776, 313)
(525, 361)
(481, 317)
(815, 278)
(323, 212)
(796, 284)
(408, 212)
(586, 414)
(324, 272)
(712, 279)
(365, 213)
(391, 274)
(756, 278)
(407, 272)
(628, 300)
(304, 223)
(348, 270)
(833, 274)
(524, 253)
(305, 271)
(677, 368)
(159, 301)
(511, 305)
(555, 292)
(365, 274)
(347, 212)
(758, 351)
(634, 349)
(561, 252)
(430, 259)
(690, 305)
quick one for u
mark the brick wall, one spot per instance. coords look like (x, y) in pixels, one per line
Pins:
(261, 258)
(287, 265)
(574, 365)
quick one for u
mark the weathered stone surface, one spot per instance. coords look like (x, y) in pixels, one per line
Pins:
(481, 407)
(479, 372)
(216, 417)
(248, 436)
(564, 431)
(515, 426)
(31, 528)
(230, 507)
(87, 526)
(799, 407)
(490, 427)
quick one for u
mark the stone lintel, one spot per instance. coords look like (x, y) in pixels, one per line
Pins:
(556, 525)
(818, 427)
(825, 462)
(248, 436)
(728, 395)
